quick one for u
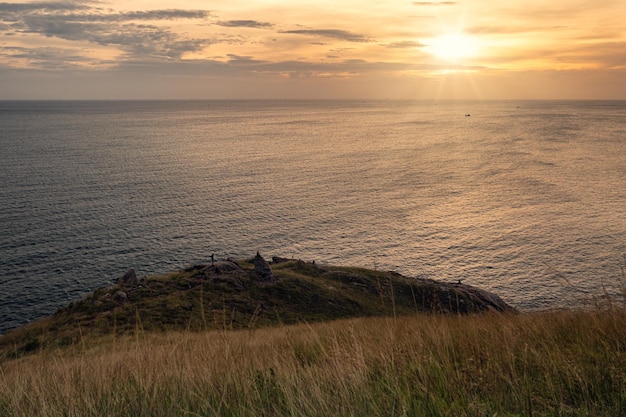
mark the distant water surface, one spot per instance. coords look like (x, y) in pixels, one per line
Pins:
(526, 199)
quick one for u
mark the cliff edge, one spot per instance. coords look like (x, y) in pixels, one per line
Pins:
(230, 294)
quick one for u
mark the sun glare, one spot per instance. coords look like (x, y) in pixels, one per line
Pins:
(453, 46)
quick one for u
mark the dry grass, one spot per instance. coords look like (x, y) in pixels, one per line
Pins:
(543, 364)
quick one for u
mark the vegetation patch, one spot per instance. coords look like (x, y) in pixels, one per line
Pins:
(247, 339)
(414, 365)
(241, 295)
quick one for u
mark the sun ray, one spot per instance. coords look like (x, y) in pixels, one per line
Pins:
(453, 47)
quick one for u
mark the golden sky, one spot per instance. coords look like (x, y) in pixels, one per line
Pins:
(469, 49)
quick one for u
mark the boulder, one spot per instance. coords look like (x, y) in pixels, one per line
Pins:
(223, 267)
(279, 260)
(129, 278)
(262, 269)
(120, 296)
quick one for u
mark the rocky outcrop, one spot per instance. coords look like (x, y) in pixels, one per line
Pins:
(228, 294)
(120, 296)
(223, 268)
(460, 298)
(262, 269)
(489, 300)
(279, 260)
(128, 279)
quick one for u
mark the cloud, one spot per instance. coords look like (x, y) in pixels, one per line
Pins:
(67, 11)
(125, 31)
(240, 77)
(253, 68)
(41, 13)
(133, 38)
(243, 60)
(330, 33)
(510, 29)
(167, 14)
(40, 6)
(48, 58)
(434, 3)
(244, 23)
(405, 44)
(606, 55)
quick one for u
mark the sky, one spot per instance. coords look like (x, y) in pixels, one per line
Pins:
(323, 49)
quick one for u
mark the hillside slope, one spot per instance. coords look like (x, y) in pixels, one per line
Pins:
(244, 294)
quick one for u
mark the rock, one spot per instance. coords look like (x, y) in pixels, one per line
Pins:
(279, 260)
(262, 269)
(120, 296)
(463, 298)
(223, 267)
(129, 278)
(194, 268)
(488, 300)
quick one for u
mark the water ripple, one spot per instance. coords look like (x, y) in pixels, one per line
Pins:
(528, 202)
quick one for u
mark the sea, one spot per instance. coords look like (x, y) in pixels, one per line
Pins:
(526, 199)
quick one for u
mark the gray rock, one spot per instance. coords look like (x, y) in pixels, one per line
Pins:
(262, 269)
(129, 278)
(120, 296)
(223, 267)
(279, 260)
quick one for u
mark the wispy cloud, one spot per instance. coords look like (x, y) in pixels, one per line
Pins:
(81, 12)
(434, 3)
(330, 33)
(405, 44)
(41, 6)
(502, 29)
(168, 14)
(245, 24)
(50, 59)
(243, 60)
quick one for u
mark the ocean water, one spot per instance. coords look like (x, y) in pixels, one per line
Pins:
(526, 199)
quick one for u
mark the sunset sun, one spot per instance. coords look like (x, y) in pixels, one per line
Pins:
(453, 47)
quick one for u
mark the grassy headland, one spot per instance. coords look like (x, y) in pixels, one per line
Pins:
(411, 364)
(235, 295)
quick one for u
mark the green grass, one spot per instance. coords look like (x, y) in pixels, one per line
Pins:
(540, 364)
(192, 301)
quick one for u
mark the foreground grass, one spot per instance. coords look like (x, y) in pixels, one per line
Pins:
(543, 364)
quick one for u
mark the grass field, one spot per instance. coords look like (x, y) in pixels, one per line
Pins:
(534, 364)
